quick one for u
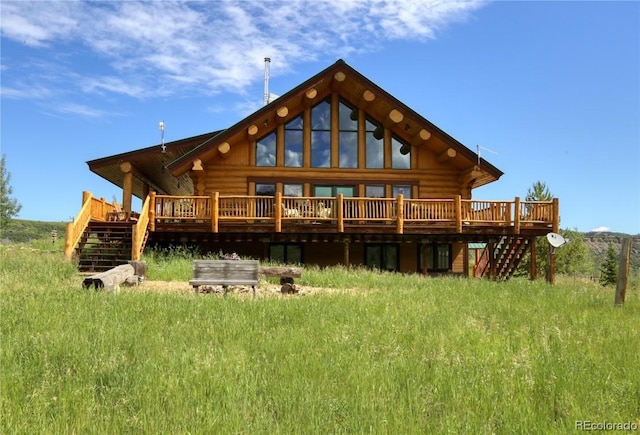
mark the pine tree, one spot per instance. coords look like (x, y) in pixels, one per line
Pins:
(537, 192)
(9, 207)
(575, 256)
(609, 267)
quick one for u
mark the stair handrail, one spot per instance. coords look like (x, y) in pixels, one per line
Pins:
(139, 229)
(75, 228)
(483, 262)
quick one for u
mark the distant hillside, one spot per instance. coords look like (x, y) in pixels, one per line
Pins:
(20, 230)
(598, 243)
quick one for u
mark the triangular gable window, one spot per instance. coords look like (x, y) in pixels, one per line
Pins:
(266, 150)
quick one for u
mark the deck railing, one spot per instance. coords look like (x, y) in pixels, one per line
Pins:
(92, 209)
(406, 214)
(450, 212)
(139, 230)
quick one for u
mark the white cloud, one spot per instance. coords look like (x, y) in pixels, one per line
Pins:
(139, 48)
(601, 229)
(81, 110)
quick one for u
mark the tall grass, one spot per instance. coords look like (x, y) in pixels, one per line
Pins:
(389, 354)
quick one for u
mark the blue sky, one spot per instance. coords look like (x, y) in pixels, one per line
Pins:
(549, 90)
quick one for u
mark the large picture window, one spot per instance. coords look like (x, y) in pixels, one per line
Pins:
(321, 135)
(400, 154)
(352, 142)
(293, 143)
(348, 137)
(266, 150)
(374, 147)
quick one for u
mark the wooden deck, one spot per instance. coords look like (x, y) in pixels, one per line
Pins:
(455, 218)
(279, 214)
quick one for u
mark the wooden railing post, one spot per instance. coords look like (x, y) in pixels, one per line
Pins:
(400, 214)
(68, 241)
(340, 204)
(75, 229)
(516, 215)
(458, 214)
(215, 211)
(556, 215)
(152, 211)
(278, 212)
(139, 230)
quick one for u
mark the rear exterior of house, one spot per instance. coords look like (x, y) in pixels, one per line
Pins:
(336, 171)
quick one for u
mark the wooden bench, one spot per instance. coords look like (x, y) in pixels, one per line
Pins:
(225, 273)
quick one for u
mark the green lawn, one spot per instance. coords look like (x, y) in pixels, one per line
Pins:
(390, 354)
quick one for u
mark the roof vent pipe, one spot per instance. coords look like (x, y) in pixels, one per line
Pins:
(267, 62)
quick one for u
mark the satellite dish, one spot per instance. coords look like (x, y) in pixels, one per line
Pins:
(556, 240)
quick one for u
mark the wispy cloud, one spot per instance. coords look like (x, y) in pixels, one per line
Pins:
(172, 47)
(81, 110)
(601, 229)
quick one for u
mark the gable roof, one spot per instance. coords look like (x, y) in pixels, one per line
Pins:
(150, 166)
(352, 85)
(167, 172)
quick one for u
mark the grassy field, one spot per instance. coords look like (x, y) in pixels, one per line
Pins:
(382, 353)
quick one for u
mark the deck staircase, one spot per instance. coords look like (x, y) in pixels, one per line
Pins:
(507, 254)
(104, 245)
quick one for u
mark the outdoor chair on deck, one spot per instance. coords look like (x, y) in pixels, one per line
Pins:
(117, 215)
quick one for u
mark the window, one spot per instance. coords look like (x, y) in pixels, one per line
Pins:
(400, 154)
(401, 189)
(438, 257)
(374, 147)
(264, 206)
(293, 143)
(287, 253)
(266, 150)
(374, 191)
(348, 136)
(292, 189)
(321, 135)
(331, 191)
(265, 189)
(381, 256)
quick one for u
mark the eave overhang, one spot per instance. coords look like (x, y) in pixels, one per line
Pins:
(150, 167)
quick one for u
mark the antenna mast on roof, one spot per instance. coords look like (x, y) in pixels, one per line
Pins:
(482, 148)
(267, 62)
(161, 127)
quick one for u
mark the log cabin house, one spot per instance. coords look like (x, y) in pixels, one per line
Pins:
(335, 171)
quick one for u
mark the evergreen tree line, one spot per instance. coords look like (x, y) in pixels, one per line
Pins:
(574, 257)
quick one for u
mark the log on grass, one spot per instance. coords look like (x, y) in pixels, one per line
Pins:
(286, 274)
(110, 279)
